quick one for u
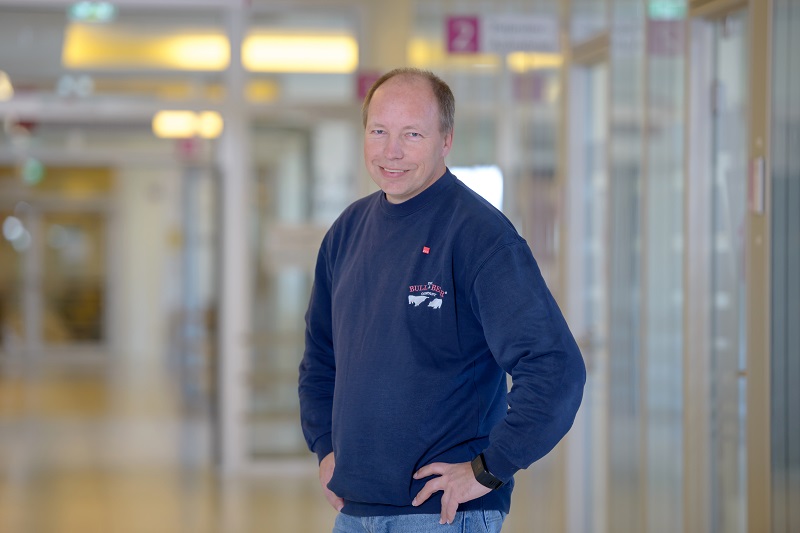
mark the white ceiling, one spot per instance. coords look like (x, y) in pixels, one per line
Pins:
(32, 34)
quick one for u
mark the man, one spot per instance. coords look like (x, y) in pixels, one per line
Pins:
(424, 298)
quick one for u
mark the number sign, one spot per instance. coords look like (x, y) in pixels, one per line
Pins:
(463, 35)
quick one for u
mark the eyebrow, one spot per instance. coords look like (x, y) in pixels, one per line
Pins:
(416, 127)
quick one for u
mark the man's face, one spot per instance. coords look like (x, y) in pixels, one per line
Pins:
(404, 149)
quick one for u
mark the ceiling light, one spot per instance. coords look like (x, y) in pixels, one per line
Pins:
(120, 48)
(294, 52)
(187, 124)
(209, 124)
(174, 124)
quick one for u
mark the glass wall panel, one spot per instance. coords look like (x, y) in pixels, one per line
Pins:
(194, 336)
(304, 179)
(55, 246)
(663, 270)
(729, 196)
(280, 203)
(73, 277)
(534, 193)
(589, 18)
(589, 253)
(626, 495)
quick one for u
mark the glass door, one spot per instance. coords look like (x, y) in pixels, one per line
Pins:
(73, 277)
(54, 263)
(295, 197)
(588, 289)
(281, 284)
(727, 211)
(715, 352)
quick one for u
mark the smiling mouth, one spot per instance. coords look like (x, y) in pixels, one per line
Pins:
(393, 171)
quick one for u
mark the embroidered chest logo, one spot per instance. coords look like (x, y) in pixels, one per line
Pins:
(429, 293)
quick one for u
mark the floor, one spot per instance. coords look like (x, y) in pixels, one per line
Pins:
(84, 450)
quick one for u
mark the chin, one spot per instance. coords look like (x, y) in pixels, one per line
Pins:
(390, 186)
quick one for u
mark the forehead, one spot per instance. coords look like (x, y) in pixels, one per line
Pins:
(409, 97)
(408, 80)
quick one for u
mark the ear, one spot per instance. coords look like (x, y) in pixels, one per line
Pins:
(448, 143)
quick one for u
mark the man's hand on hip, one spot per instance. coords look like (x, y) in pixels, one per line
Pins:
(326, 468)
(456, 481)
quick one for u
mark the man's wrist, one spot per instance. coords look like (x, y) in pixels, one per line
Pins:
(483, 475)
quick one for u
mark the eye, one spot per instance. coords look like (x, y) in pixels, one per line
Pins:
(377, 132)
(414, 135)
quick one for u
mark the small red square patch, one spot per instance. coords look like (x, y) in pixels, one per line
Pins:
(426, 250)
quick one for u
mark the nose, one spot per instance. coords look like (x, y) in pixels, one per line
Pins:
(393, 148)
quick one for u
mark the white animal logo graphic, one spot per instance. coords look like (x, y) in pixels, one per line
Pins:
(416, 300)
(424, 291)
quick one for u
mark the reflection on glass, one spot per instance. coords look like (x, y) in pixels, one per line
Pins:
(73, 277)
(284, 246)
(664, 269)
(729, 163)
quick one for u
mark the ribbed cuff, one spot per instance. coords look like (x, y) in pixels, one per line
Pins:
(323, 446)
(498, 465)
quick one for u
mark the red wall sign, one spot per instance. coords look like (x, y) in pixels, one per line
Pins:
(463, 35)
(364, 82)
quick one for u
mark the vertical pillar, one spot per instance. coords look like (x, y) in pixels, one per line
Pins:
(235, 159)
(386, 35)
(762, 501)
(192, 333)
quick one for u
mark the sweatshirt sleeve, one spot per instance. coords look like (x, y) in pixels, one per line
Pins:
(529, 337)
(318, 367)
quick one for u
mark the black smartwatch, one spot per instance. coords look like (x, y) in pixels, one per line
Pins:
(482, 474)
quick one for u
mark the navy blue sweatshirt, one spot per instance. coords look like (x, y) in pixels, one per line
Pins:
(417, 312)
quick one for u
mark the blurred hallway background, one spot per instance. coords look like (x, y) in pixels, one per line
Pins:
(168, 169)
(93, 452)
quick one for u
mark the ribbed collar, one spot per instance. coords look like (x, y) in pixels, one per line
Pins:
(412, 205)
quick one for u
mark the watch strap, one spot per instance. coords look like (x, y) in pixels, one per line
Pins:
(482, 474)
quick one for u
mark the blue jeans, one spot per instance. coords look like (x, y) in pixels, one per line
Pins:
(465, 522)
